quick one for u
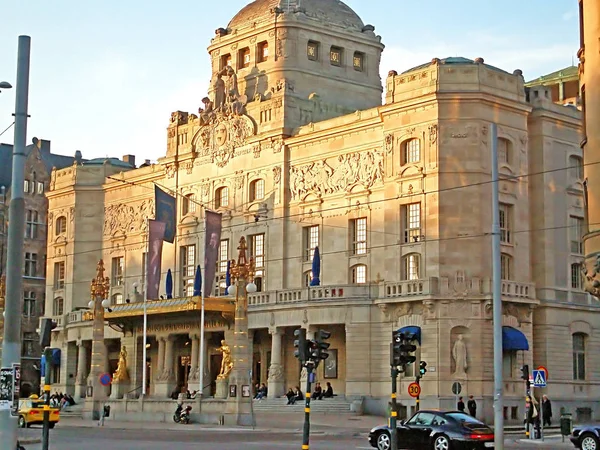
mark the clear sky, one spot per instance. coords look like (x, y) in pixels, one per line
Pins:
(106, 75)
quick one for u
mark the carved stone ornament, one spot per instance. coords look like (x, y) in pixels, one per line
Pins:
(127, 218)
(219, 139)
(389, 143)
(433, 134)
(521, 312)
(403, 309)
(276, 174)
(276, 372)
(345, 172)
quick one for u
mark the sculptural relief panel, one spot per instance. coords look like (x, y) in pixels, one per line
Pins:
(125, 218)
(339, 174)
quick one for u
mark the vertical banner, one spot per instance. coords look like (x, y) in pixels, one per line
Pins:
(156, 234)
(211, 249)
(16, 388)
(6, 388)
(166, 208)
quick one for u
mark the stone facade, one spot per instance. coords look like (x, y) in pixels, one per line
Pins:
(396, 196)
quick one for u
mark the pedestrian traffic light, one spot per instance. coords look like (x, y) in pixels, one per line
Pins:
(525, 372)
(395, 348)
(46, 327)
(322, 344)
(422, 368)
(300, 345)
(406, 348)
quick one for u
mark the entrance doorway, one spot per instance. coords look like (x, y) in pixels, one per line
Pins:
(183, 372)
(215, 369)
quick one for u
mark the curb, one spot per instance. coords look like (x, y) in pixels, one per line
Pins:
(29, 441)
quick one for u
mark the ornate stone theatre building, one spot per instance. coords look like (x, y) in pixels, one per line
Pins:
(295, 148)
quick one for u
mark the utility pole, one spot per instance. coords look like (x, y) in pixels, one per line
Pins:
(394, 408)
(306, 430)
(11, 351)
(497, 297)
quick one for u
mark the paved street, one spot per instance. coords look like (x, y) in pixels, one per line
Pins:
(94, 438)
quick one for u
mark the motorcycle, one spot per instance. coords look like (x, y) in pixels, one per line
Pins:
(182, 415)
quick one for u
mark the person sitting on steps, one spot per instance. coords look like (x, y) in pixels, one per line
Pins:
(318, 394)
(329, 391)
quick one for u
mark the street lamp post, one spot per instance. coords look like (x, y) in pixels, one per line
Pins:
(241, 375)
(99, 292)
(5, 85)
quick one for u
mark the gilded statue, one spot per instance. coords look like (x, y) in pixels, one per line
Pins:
(226, 363)
(121, 373)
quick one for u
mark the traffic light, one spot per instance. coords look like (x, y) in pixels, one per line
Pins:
(397, 338)
(406, 348)
(422, 368)
(322, 344)
(46, 327)
(300, 345)
(525, 372)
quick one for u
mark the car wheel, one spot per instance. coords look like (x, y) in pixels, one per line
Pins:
(384, 442)
(589, 442)
(22, 423)
(441, 443)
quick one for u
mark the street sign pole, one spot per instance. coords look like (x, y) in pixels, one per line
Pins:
(394, 408)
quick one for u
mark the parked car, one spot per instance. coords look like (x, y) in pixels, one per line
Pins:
(31, 411)
(586, 437)
(436, 430)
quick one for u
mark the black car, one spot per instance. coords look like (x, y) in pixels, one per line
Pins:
(586, 437)
(436, 430)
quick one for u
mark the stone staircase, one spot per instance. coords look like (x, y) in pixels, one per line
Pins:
(73, 411)
(335, 405)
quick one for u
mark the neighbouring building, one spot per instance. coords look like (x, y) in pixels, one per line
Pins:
(563, 85)
(39, 164)
(296, 151)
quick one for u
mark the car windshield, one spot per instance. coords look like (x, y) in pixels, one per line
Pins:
(464, 418)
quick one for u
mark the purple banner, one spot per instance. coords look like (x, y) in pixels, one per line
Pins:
(155, 244)
(211, 249)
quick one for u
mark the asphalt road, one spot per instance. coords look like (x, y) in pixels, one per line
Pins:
(73, 438)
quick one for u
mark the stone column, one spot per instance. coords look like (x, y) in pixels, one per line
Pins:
(276, 379)
(160, 364)
(82, 370)
(194, 369)
(165, 381)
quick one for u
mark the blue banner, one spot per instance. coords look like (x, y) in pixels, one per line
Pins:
(166, 211)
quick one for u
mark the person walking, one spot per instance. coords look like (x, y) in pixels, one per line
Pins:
(460, 405)
(547, 410)
(472, 405)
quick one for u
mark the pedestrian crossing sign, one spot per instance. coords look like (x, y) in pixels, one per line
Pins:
(539, 378)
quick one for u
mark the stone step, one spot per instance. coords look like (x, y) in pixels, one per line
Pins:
(334, 405)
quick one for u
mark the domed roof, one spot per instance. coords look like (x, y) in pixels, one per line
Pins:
(330, 12)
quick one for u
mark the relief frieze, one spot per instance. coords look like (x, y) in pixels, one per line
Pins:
(127, 218)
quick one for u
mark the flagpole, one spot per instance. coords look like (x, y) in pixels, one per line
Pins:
(145, 330)
(202, 341)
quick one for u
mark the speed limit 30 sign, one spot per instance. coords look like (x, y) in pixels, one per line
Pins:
(414, 390)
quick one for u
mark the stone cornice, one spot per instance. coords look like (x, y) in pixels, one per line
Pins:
(558, 118)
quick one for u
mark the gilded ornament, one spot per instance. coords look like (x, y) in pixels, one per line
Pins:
(226, 362)
(121, 372)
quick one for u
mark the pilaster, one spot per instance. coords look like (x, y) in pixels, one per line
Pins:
(276, 379)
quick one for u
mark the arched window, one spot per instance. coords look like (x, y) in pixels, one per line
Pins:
(576, 167)
(359, 274)
(579, 356)
(505, 266)
(61, 225)
(411, 151)
(58, 307)
(222, 197)
(188, 204)
(117, 299)
(504, 151)
(411, 267)
(257, 190)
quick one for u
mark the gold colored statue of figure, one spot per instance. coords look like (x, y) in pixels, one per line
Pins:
(226, 363)
(121, 373)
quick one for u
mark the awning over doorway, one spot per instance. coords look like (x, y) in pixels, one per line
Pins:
(513, 339)
(55, 361)
(412, 329)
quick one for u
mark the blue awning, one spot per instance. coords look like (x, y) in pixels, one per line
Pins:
(56, 356)
(414, 330)
(513, 339)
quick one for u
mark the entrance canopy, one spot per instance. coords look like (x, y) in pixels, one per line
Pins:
(414, 330)
(513, 339)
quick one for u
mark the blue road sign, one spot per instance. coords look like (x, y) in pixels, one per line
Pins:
(539, 378)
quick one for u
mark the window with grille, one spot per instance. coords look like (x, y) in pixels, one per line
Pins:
(263, 51)
(58, 307)
(188, 204)
(311, 241)
(257, 251)
(61, 225)
(576, 276)
(118, 264)
(188, 269)
(505, 223)
(576, 167)
(222, 197)
(412, 151)
(28, 348)
(29, 304)
(31, 224)
(257, 190)
(359, 236)
(579, 356)
(411, 267)
(223, 256)
(576, 233)
(117, 299)
(31, 260)
(412, 222)
(359, 274)
(505, 267)
(59, 275)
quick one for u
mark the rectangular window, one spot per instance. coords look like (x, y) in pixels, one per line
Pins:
(118, 264)
(508, 363)
(59, 275)
(188, 269)
(335, 56)
(412, 222)
(412, 151)
(505, 266)
(40, 187)
(312, 50)
(31, 224)
(223, 256)
(244, 58)
(225, 61)
(576, 276)
(412, 267)
(257, 250)
(502, 151)
(29, 304)
(26, 186)
(311, 241)
(31, 264)
(505, 223)
(263, 51)
(576, 233)
(358, 61)
(359, 236)
(579, 356)
(28, 348)
(359, 274)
